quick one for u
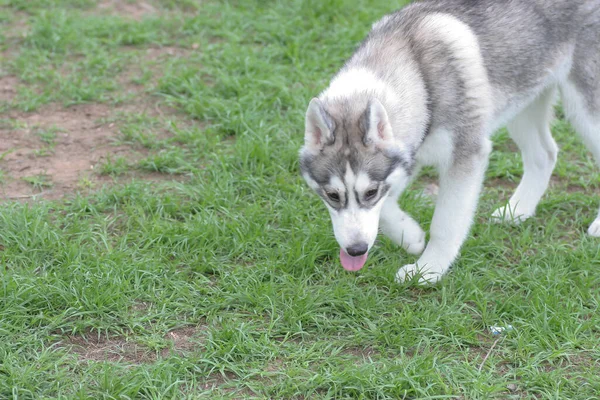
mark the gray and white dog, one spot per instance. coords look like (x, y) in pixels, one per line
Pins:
(428, 86)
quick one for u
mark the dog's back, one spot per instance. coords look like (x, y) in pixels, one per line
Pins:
(515, 37)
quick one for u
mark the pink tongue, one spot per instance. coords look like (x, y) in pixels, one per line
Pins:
(352, 263)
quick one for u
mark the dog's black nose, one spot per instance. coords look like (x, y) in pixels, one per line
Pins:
(357, 249)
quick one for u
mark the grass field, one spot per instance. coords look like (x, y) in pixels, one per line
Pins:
(157, 241)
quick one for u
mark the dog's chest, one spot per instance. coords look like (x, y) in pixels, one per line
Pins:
(436, 149)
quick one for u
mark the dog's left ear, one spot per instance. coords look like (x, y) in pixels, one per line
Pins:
(319, 127)
(376, 123)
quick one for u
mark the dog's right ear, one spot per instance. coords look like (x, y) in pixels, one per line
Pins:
(378, 130)
(319, 127)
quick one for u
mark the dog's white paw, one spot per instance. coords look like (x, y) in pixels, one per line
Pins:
(510, 215)
(594, 229)
(428, 277)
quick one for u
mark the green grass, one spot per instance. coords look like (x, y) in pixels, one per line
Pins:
(239, 250)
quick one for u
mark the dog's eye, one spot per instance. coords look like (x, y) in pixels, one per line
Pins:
(333, 196)
(370, 194)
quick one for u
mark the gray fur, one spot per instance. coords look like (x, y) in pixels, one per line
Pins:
(586, 71)
(524, 45)
(350, 121)
(519, 39)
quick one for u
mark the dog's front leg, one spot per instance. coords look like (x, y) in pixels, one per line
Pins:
(460, 186)
(400, 227)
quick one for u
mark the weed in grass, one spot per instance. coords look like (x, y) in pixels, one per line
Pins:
(48, 135)
(43, 152)
(85, 183)
(140, 129)
(114, 167)
(171, 161)
(39, 182)
(6, 153)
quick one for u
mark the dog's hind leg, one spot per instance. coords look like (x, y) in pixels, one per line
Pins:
(400, 227)
(581, 93)
(530, 130)
(583, 110)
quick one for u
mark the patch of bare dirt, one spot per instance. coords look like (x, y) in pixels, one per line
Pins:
(140, 306)
(115, 349)
(13, 30)
(500, 183)
(152, 58)
(8, 88)
(572, 185)
(181, 340)
(32, 165)
(55, 150)
(136, 10)
(361, 353)
(95, 347)
(160, 53)
(17, 26)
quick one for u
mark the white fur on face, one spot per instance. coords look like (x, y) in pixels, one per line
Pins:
(354, 224)
(363, 183)
(311, 182)
(337, 184)
(350, 179)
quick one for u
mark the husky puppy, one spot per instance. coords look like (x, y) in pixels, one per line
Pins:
(428, 86)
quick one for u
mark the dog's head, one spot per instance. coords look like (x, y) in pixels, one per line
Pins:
(352, 159)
